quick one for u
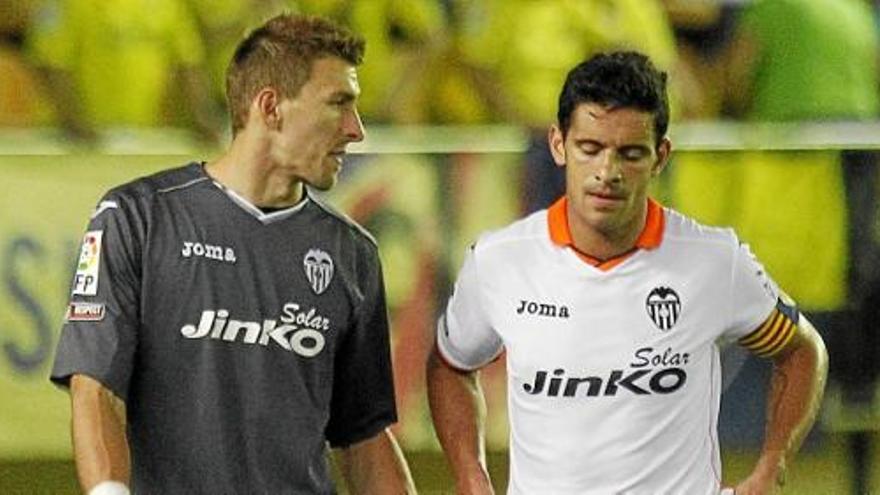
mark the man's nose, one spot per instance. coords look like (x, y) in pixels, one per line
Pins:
(353, 127)
(609, 168)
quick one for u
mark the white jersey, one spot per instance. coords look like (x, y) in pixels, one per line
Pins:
(614, 379)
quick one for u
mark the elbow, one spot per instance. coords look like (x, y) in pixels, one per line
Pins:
(815, 351)
(809, 356)
(809, 351)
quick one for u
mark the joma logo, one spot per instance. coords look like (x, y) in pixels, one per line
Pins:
(209, 251)
(542, 309)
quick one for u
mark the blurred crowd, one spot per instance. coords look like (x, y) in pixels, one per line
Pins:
(82, 65)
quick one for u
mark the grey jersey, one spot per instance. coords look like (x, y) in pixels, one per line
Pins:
(240, 341)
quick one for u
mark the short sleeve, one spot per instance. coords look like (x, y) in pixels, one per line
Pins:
(99, 334)
(465, 337)
(754, 294)
(363, 401)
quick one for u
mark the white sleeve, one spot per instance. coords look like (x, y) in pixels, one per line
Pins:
(754, 294)
(465, 337)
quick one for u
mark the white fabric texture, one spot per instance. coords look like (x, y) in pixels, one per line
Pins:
(613, 376)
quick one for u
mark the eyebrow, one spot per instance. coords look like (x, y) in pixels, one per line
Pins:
(625, 148)
(345, 96)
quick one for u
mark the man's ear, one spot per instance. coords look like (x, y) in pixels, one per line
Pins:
(265, 106)
(664, 150)
(556, 140)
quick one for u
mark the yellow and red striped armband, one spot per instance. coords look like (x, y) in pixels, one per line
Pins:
(776, 331)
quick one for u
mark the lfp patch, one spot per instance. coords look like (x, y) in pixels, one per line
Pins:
(85, 311)
(85, 282)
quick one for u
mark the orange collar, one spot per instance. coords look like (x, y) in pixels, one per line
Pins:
(649, 238)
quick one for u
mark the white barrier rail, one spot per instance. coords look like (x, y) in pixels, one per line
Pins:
(694, 135)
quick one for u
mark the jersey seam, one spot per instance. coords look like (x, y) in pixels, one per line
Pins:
(371, 286)
(349, 222)
(179, 187)
(485, 306)
(728, 317)
(713, 423)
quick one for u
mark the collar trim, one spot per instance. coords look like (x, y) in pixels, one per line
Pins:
(650, 237)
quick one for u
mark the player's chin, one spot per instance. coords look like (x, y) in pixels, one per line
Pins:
(604, 221)
(325, 183)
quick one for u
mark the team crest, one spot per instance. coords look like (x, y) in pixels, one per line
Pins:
(319, 269)
(664, 307)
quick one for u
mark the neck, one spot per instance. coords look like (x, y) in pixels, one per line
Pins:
(606, 241)
(247, 169)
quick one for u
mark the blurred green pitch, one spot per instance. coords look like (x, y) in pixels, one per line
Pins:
(821, 471)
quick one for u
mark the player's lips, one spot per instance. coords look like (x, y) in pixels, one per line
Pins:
(338, 155)
(606, 198)
(607, 195)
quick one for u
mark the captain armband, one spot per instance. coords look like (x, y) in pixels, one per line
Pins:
(776, 331)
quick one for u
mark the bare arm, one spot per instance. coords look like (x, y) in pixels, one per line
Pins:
(375, 465)
(796, 390)
(99, 442)
(458, 409)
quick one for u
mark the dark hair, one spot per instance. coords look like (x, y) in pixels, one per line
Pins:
(617, 79)
(280, 54)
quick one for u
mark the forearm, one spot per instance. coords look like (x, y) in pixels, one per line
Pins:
(796, 390)
(99, 442)
(376, 465)
(458, 410)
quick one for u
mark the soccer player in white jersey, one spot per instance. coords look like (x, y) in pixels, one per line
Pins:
(611, 310)
(225, 326)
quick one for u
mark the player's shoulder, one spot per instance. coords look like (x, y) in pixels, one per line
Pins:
(681, 228)
(163, 182)
(343, 221)
(518, 235)
(134, 199)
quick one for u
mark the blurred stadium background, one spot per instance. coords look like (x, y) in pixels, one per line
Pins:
(775, 130)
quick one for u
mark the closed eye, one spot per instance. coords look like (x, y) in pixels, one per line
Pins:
(590, 148)
(634, 153)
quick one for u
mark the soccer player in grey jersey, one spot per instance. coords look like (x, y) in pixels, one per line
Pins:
(224, 325)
